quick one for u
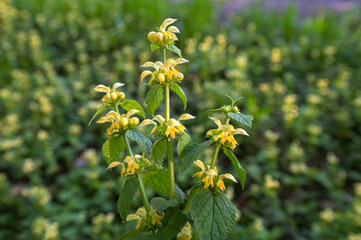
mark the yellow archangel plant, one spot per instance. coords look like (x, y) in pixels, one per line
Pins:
(172, 214)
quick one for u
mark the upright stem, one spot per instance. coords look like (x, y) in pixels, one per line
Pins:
(141, 184)
(216, 151)
(169, 141)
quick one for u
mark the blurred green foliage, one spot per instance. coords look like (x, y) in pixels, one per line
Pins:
(300, 78)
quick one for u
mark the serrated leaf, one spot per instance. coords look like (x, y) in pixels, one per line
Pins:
(242, 118)
(193, 152)
(132, 104)
(112, 149)
(160, 204)
(194, 190)
(182, 143)
(153, 46)
(126, 196)
(158, 151)
(156, 179)
(99, 111)
(213, 213)
(240, 170)
(179, 91)
(131, 234)
(173, 48)
(144, 143)
(154, 98)
(173, 222)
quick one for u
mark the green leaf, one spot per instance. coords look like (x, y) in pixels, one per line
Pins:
(153, 46)
(131, 234)
(160, 204)
(126, 196)
(213, 213)
(132, 104)
(173, 48)
(193, 152)
(154, 98)
(182, 143)
(144, 143)
(179, 91)
(174, 221)
(112, 149)
(99, 111)
(158, 151)
(240, 170)
(156, 179)
(242, 118)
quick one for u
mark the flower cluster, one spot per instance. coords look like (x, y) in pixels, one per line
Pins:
(131, 165)
(144, 219)
(164, 73)
(168, 129)
(111, 94)
(224, 134)
(166, 35)
(210, 176)
(119, 122)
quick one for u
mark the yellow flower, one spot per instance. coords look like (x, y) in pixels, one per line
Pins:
(220, 182)
(139, 215)
(170, 128)
(199, 164)
(210, 174)
(134, 165)
(120, 123)
(166, 35)
(156, 219)
(161, 70)
(131, 165)
(224, 134)
(110, 93)
(186, 232)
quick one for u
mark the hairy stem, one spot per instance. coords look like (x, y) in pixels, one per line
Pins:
(216, 150)
(141, 184)
(169, 141)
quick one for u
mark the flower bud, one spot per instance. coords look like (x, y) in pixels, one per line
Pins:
(227, 109)
(124, 121)
(121, 95)
(114, 96)
(134, 121)
(159, 36)
(235, 109)
(161, 77)
(151, 36)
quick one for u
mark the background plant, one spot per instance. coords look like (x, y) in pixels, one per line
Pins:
(299, 78)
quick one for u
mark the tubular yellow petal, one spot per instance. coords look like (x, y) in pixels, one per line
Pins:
(144, 74)
(117, 85)
(113, 115)
(166, 23)
(169, 63)
(228, 176)
(141, 212)
(132, 112)
(173, 29)
(129, 160)
(159, 64)
(131, 217)
(181, 60)
(186, 116)
(240, 131)
(101, 88)
(159, 118)
(216, 121)
(151, 64)
(104, 120)
(199, 164)
(114, 164)
(146, 122)
(173, 123)
(221, 185)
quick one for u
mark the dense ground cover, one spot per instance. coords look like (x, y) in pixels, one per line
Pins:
(300, 79)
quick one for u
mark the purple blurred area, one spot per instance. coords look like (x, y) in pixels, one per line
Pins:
(305, 7)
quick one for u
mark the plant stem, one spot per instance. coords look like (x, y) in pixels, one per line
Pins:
(141, 184)
(216, 150)
(169, 141)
